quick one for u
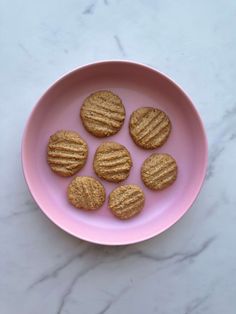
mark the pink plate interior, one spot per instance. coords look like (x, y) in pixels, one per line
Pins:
(137, 85)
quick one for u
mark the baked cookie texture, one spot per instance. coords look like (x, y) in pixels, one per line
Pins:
(149, 127)
(112, 162)
(126, 201)
(66, 152)
(102, 113)
(86, 193)
(159, 171)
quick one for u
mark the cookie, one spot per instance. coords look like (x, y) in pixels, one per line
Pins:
(66, 153)
(159, 171)
(112, 162)
(126, 201)
(86, 193)
(102, 113)
(149, 127)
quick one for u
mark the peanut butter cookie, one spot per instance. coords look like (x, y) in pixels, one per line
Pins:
(126, 201)
(86, 193)
(159, 171)
(112, 162)
(102, 113)
(66, 153)
(149, 127)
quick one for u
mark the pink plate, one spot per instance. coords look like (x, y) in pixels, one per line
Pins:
(137, 85)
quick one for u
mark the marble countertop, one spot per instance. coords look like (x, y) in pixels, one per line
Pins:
(189, 269)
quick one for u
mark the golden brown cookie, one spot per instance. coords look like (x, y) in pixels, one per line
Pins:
(159, 171)
(102, 113)
(112, 162)
(126, 201)
(86, 193)
(67, 152)
(149, 127)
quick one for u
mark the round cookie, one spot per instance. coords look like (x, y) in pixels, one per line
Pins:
(149, 127)
(126, 201)
(112, 162)
(86, 193)
(159, 171)
(66, 153)
(102, 113)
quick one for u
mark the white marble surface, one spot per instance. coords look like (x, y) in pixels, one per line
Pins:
(191, 268)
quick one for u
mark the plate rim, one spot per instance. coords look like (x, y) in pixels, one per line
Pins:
(107, 241)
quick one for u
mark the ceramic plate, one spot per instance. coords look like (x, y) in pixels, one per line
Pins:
(137, 85)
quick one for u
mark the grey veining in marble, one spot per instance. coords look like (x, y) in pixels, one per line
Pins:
(191, 268)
